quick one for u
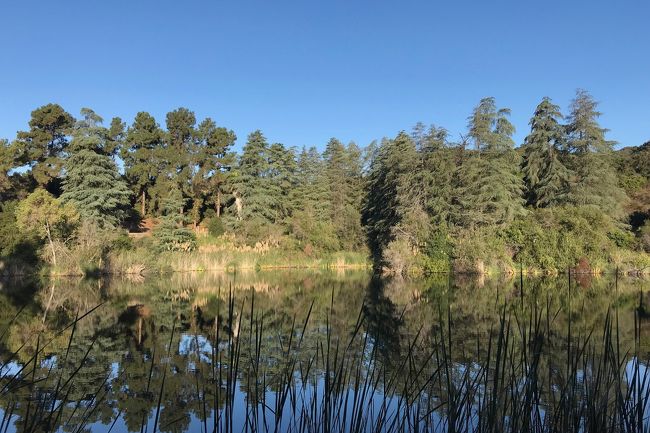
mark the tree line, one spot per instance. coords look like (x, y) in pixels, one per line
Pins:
(420, 200)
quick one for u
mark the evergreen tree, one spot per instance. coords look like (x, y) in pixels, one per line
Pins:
(388, 201)
(259, 200)
(140, 154)
(594, 182)
(92, 183)
(311, 189)
(179, 146)
(213, 161)
(641, 163)
(491, 187)
(171, 234)
(435, 173)
(7, 161)
(115, 137)
(545, 176)
(43, 147)
(342, 174)
(281, 179)
(310, 201)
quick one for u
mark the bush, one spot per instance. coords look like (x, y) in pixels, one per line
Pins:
(122, 243)
(645, 236)
(481, 251)
(437, 253)
(15, 244)
(215, 226)
(555, 239)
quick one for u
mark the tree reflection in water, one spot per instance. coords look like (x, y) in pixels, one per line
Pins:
(318, 351)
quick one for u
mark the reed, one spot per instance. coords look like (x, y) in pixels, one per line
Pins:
(331, 384)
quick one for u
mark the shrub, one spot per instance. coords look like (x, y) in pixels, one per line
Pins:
(556, 238)
(122, 243)
(480, 251)
(215, 226)
(645, 236)
(437, 253)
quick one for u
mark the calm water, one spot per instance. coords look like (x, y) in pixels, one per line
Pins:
(314, 351)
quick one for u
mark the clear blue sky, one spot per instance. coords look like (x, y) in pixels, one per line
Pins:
(304, 71)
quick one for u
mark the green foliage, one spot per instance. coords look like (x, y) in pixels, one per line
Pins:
(122, 242)
(6, 164)
(215, 226)
(388, 197)
(555, 239)
(313, 232)
(140, 153)
(171, 234)
(420, 202)
(93, 185)
(481, 250)
(46, 216)
(435, 173)
(438, 253)
(545, 175)
(214, 162)
(644, 235)
(42, 148)
(490, 184)
(16, 244)
(594, 182)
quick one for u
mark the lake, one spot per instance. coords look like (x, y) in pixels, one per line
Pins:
(324, 351)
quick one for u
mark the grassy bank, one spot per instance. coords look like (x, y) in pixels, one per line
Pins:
(144, 261)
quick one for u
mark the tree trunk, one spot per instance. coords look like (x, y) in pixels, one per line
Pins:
(49, 238)
(49, 302)
(218, 204)
(143, 204)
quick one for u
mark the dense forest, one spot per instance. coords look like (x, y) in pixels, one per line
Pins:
(420, 202)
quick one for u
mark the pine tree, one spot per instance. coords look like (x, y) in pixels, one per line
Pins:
(595, 182)
(490, 190)
(92, 183)
(179, 146)
(435, 172)
(171, 234)
(43, 147)
(281, 179)
(139, 153)
(342, 177)
(388, 201)
(259, 199)
(311, 206)
(7, 162)
(545, 176)
(311, 192)
(213, 161)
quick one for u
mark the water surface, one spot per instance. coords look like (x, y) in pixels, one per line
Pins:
(318, 351)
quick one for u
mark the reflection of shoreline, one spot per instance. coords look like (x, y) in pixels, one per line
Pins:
(134, 328)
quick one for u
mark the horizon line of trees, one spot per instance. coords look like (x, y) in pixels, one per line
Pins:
(415, 195)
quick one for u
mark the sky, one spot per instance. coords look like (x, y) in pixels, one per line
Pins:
(306, 71)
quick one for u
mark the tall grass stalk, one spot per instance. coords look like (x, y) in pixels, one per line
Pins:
(351, 385)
